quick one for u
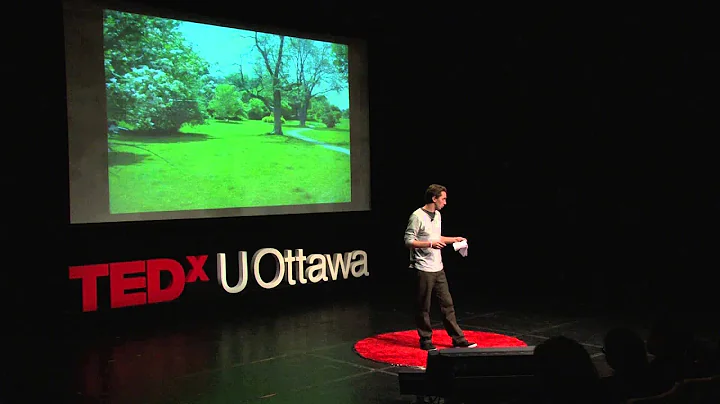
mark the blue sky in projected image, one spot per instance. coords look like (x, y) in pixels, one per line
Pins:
(226, 49)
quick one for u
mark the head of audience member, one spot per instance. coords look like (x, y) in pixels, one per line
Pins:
(564, 370)
(625, 351)
(669, 339)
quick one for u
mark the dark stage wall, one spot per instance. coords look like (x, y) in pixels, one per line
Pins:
(576, 154)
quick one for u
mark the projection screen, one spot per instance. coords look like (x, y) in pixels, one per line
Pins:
(175, 116)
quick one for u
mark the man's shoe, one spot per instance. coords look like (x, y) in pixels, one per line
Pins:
(464, 344)
(427, 346)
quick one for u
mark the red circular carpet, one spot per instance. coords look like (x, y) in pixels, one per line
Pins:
(402, 348)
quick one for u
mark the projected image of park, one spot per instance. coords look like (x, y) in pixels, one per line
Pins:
(208, 117)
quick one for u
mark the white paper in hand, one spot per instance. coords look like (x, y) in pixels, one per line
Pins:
(461, 247)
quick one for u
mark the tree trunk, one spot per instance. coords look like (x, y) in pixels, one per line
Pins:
(304, 110)
(277, 112)
(302, 115)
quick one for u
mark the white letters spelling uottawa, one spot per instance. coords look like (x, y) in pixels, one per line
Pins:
(291, 268)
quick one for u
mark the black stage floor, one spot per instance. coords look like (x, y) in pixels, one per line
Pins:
(297, 354)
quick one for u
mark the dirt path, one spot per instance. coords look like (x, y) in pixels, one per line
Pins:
(296, 133)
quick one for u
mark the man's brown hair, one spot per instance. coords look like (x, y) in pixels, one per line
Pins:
(434, 190)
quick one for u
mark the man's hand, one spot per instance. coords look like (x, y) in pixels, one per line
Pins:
(459, 239)
(438, 245)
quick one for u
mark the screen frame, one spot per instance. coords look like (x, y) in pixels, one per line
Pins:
(86, 106)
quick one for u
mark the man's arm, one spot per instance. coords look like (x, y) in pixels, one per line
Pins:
(450, 240)
(411, 232)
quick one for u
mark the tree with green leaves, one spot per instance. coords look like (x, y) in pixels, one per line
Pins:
(323, 111)
(315, 72)
(227, 102)
(271, 52)
(155, 82)
(340, 61)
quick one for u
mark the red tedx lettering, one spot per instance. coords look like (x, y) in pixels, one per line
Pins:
(120, 283)
(136, 283)
(89, 275)
(197, 270)
(177, 284)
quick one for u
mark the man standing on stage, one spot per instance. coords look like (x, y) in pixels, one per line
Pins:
(424, 239)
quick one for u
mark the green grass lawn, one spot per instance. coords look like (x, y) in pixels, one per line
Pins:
(226, 165)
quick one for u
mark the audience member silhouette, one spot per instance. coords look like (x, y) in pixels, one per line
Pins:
(625, 353)
(715, 361)
(669, 341)
(565, 373)
(710, 364)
